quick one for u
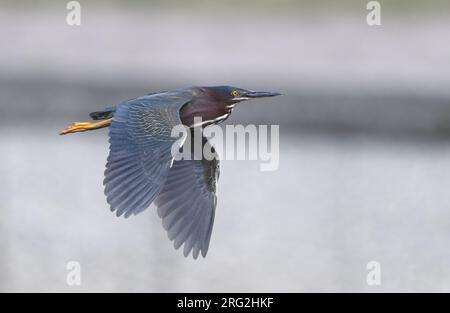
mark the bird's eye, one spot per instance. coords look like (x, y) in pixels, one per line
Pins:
(234, 93)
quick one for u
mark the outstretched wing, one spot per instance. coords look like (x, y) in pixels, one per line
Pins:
(140, 150)
(187, 202)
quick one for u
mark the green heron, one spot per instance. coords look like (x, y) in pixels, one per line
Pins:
(141, 168)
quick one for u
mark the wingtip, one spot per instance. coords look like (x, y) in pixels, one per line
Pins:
(204, 253)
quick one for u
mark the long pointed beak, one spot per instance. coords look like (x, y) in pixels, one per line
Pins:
(261, 94)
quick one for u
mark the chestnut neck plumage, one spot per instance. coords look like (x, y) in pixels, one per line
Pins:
(210, 106)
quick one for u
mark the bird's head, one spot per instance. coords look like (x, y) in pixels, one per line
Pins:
(215, 104)
(234, 94)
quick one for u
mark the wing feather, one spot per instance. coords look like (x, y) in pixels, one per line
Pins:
(140, 150)
(140, 169)
(187, 202)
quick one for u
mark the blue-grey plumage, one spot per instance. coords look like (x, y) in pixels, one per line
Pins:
(187, 202)
(141, 169)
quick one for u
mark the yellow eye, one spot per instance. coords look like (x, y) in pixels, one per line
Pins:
(234, 93)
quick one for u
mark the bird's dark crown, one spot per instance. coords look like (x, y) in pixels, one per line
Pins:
(225, 93)
(233, 94)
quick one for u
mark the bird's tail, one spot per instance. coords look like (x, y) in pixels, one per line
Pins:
(104, 117)
(103, 114)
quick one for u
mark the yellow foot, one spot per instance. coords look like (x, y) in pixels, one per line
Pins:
(82, 127)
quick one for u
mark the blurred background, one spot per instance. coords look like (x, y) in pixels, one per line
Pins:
(364, 144)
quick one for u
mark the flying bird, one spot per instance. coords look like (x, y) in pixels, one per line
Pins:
(141, 168)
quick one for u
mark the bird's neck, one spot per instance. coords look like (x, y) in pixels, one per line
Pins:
(211, 111)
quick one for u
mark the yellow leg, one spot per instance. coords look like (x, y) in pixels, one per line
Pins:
(82, 127)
